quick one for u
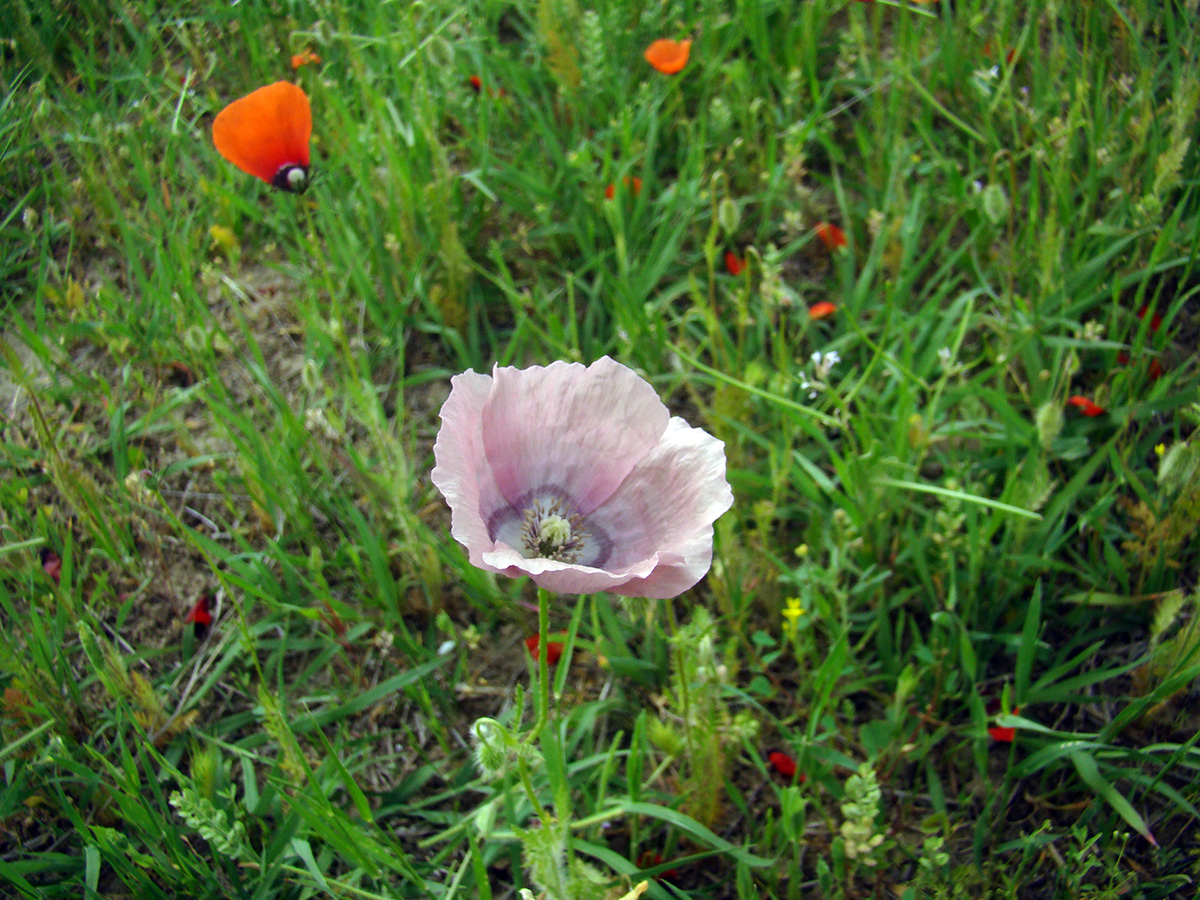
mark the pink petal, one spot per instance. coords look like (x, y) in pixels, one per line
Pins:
(563, 577)
(666, 507)
(577, 428)
(462, 472)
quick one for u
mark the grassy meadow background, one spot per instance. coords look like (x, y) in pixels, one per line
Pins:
(213, 389)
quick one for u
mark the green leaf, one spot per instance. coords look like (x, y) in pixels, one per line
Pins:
(360, 801)
(694, 828)
(304, 850)
(1029, 639)
(1089, 771)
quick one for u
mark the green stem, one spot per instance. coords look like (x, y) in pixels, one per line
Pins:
(678, 650)
(543, 663)
(527, 784)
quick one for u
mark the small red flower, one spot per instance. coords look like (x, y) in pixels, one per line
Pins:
(554, 649)
(734, 263)
(831, 235)
(988, 51)
(475, 83)
(200, 614)
(649, 859)
(821, 310)
(1004, 735)
(1155, 318)
(667, 56)
(304, 58)
(51, 564)
(782, 763)
(1085, 406)
(634, 183)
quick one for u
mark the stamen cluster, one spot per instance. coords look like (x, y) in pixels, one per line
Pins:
(550, 531)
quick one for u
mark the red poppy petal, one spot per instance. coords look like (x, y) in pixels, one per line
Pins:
(831, 235)
(554, 649)
(1085, 406)
(733, 263)
(200, 614)
(821, 310)
(631, 183)
(782, 763)
(999, 732)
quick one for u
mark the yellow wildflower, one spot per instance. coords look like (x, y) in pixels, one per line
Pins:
(792, 613)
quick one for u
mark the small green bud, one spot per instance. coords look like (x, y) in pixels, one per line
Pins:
(728, 216)
(1178, 465)
(995, 203)
(491, 752)
(1049, 419)
(204, 770)
(664, 737)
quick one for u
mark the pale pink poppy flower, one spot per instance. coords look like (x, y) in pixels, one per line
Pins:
(580, 478)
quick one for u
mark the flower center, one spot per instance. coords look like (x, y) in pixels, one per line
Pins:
(545, 523)
(549, 532)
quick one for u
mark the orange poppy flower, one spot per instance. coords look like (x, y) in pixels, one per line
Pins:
(304, 58)
(554, 649)
(734, 263)
(1085, 406)
(668, 56)
(266, 134)
(633, 183)
(821, 310)
(831, 236)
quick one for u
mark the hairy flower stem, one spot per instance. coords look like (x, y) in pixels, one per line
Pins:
(527, 786)
(683, 683)
(543, 715)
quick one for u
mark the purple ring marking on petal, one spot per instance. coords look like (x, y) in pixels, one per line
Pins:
(506, 522)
